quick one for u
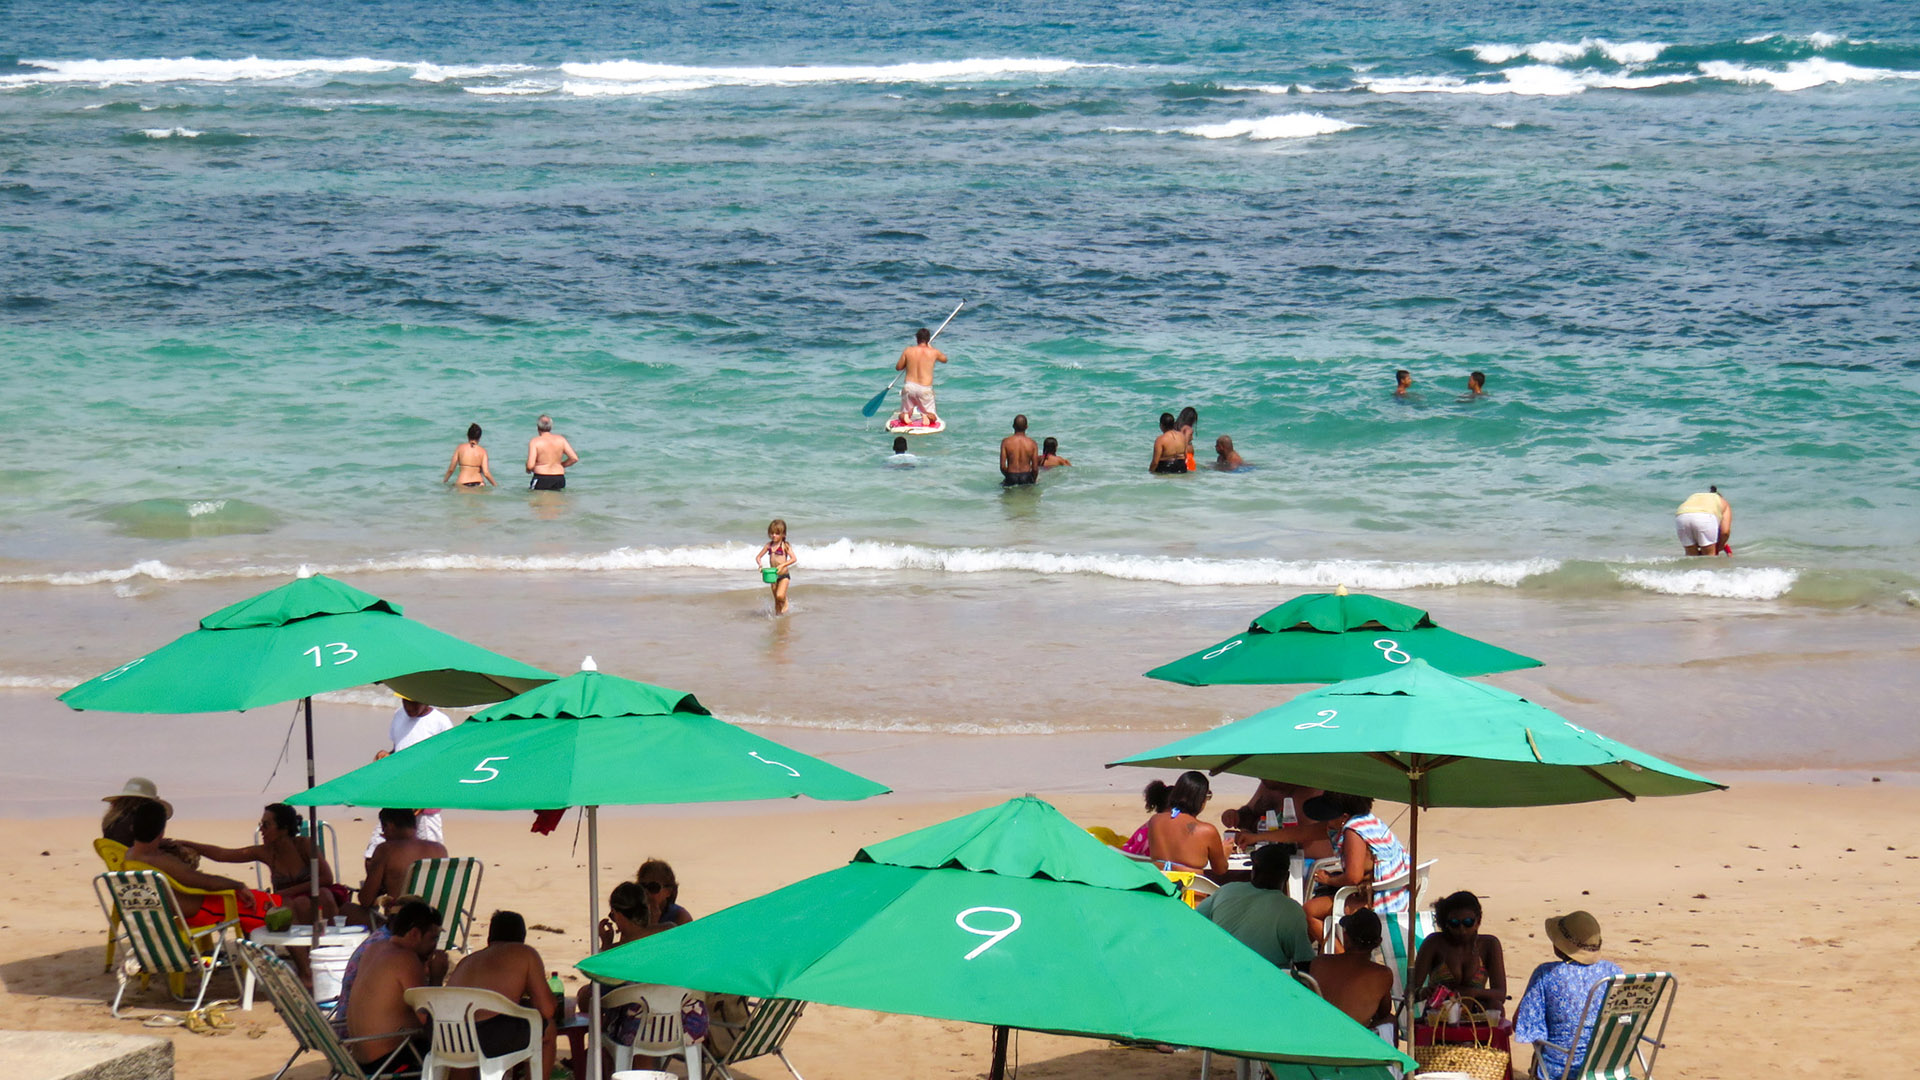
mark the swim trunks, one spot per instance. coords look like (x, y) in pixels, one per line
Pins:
(1697, 529)
(499, 1035)
(1170, 465)
(916, 404)
(1018, 479)
(547, 483)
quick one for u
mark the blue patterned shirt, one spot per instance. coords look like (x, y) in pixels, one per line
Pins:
(1550, 1010)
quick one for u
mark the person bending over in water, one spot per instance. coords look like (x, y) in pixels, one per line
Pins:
(916, 393)
(470, 459)
(1402, 382)
(1050, 454)
(780, 558)
(1019, 457)
(1170, 449)
(549, 455)
(1705, 523)
(1225, 458)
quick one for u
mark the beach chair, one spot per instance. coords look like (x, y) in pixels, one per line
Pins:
(455, 1043)
(1627, 1010)
(452, 886)
(660, 1030)
(141, 904)
(1107, 836)
(312, 1032)
(769, 1022)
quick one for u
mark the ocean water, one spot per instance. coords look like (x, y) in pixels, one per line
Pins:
(261, 264)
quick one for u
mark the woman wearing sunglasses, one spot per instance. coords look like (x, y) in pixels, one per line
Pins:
(1460, 959)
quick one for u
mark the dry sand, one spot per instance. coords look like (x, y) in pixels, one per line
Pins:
(1785, 909)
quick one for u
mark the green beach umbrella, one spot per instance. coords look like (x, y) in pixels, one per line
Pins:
(1426, 738)
(1328, 637)
(1011, 916)
(310, 636)
(590, 740)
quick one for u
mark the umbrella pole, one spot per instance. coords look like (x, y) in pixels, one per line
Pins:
(1413, 897)
(998, 1071)
(594, 1048)
(313, 830)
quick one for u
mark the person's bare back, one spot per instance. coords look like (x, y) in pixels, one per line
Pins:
(1018, 454)
(1355, 985)
(549, 453)
(513, 970)
(387, 868)
(917, 361)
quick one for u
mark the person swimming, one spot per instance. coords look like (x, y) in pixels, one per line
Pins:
(1225, 458)
(1050, 454)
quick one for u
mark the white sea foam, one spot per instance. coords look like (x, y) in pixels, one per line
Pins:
(188, 69)
(1819, 39)
(1264, 88)
(1283, 126)
(206, 506)
(971, 70)
(1624, 53)
(1533, 80)
(36, 682)
(1799, 74)
(517, 88)
(171, 133)
(853, 556)
(1739, 583)
(441, 73)
(630, 89)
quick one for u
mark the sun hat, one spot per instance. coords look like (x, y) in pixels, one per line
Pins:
(139, 787)
(1577, 936)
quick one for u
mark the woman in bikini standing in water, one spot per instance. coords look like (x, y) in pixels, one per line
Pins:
(470, 459)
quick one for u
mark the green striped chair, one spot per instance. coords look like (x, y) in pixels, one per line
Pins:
(765, 1032)
(1627, 1010)
(312, 1033)
(452, 886)
(156, 936)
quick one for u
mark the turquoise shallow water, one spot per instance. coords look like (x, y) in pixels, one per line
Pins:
(262, 266)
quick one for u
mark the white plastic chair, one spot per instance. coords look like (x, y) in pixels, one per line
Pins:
(662, 1032)
(1398, 881)
(457, 1046)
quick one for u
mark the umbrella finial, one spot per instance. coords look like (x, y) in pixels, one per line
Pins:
(1339, 590)
(587, 664)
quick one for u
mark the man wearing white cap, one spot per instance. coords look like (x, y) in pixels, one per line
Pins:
(413, 721)
(1549, 1012)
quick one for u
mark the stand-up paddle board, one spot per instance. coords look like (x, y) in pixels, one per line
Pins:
(898, 426)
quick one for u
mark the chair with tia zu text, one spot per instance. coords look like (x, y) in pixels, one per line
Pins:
(312, 1032)
(452, 887)
(114, 855)
(456, 1045)
(1627, 1011)
(660, 1028)
(141, 904)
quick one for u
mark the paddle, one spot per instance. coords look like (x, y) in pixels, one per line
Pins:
(873, 406)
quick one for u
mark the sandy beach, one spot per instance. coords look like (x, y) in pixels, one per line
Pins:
(1775, 921)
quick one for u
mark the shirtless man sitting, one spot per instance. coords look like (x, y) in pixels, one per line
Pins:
(384, 969)
(388, 866)
(149, 824)
(1351, 981)
(549, 454)
(510, 967)
(916, 393)
(1019, 457)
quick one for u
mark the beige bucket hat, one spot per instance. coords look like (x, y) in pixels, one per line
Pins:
(139, 787)
(1576, 935)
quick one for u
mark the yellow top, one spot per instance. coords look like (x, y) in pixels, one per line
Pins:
(1703, 502)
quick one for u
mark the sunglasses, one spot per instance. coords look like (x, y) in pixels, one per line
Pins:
(652, 886)
(1462, 924)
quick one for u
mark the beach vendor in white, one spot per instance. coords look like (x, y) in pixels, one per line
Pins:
(413, 721)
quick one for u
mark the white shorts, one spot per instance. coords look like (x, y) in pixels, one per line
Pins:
(1697, 530)
(916, 402)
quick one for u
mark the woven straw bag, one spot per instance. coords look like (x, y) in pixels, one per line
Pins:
(1478, 1059)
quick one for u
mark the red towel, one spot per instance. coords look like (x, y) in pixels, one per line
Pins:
(545, 821)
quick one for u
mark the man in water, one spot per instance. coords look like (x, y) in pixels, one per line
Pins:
(1050, 454)
(1476, 386)
(548, 455)
(1225, 458)
(1402, 382)
(916, 393)
(1705, 522)
(1019, 457)
(1170, 449)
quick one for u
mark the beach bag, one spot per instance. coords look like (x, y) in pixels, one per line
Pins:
(1478, 1059)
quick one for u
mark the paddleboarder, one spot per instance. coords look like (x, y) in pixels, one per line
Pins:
(916, 393)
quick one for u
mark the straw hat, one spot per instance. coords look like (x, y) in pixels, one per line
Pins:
(1577, 936)
(139, 787)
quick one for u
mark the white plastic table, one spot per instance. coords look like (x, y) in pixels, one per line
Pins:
(295, 937)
